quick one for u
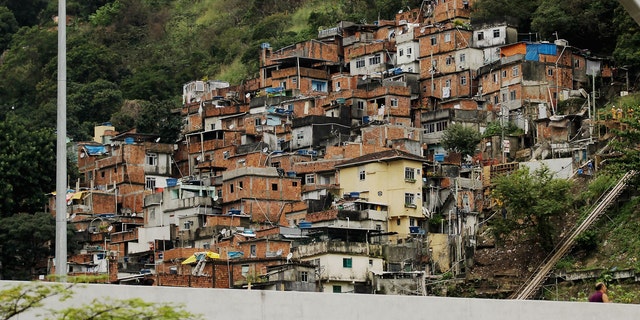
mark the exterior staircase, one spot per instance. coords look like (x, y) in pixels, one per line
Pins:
(533, 283)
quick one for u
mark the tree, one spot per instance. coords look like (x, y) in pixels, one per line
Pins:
(27, 162)
(459, 138)
(8, 26)
(533, 202)
(31, 297)
(26, 241)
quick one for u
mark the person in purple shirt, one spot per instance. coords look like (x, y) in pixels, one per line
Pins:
(601, 293)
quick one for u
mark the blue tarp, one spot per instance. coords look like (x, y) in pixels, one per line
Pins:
(534, 50)
(95, 150)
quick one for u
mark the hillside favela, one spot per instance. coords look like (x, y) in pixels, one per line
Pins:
(380, 158)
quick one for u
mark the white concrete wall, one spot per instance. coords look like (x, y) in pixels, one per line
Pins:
(278, 305)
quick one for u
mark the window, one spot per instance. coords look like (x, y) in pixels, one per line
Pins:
(213, 126)
(412, 222)
(550, 72)
(337, 289)
(300, 135)
(447, 37)
(152, 159)
(435, 126)
(347, 262)
(362, 174)
(370, 262)
(102, 174)
(397, 222)
(231, 188)
(495, 99)
(252, 251)
(504, 97)
(447, 83)
(434, 40)
(409, 199)
(495, 78)
(283, 84)
(576, 63)
(360, 104)
(150, 183)
(294, 183)
(463, 80)
(401, 52)
(375, 59)
(360, 63)
(512, 95)
(409, 51)
(245, 270)
(274, 187)
(515, 71)
(337, 89)
(294, 80)
(317, 85)
(310, 178)
(449, 60)
(378, 227)
(409, 174)
(240, 185)
(304, 276)
(504, 73)
(275, 164)
(496, 33)
(463, 57)
(394, 102)
(258, 122)
(480, 35)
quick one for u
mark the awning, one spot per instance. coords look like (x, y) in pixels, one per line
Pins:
(199, 256)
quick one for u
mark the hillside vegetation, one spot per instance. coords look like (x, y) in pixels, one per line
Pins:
(128, 60)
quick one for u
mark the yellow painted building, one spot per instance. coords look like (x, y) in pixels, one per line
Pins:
(392, 178)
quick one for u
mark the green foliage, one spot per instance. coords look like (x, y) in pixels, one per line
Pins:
(587, 241)
(26, 239)
(31, 297)
(149, 117)
(8, 26)
(21, 298)
(494, 128)
(459, 138)
(497, 10)
(26, 156)
(105, 14)
(121, 309)
(533, 200)
(565, 264)
(583, 21)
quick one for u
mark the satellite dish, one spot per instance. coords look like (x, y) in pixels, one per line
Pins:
(231, 127)
(364, 77)
(72, 216)
(215, 198)
(289, 256)
(265, 149)
(110, 228)
(248, 95)
(223, 231)
(158, 140)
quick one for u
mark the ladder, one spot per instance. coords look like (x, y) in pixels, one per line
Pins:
(197, 271)
(534, 282)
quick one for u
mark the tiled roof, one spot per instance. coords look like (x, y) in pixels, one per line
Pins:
(387, 155)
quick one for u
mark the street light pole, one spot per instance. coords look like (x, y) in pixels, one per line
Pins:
(61, 147)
